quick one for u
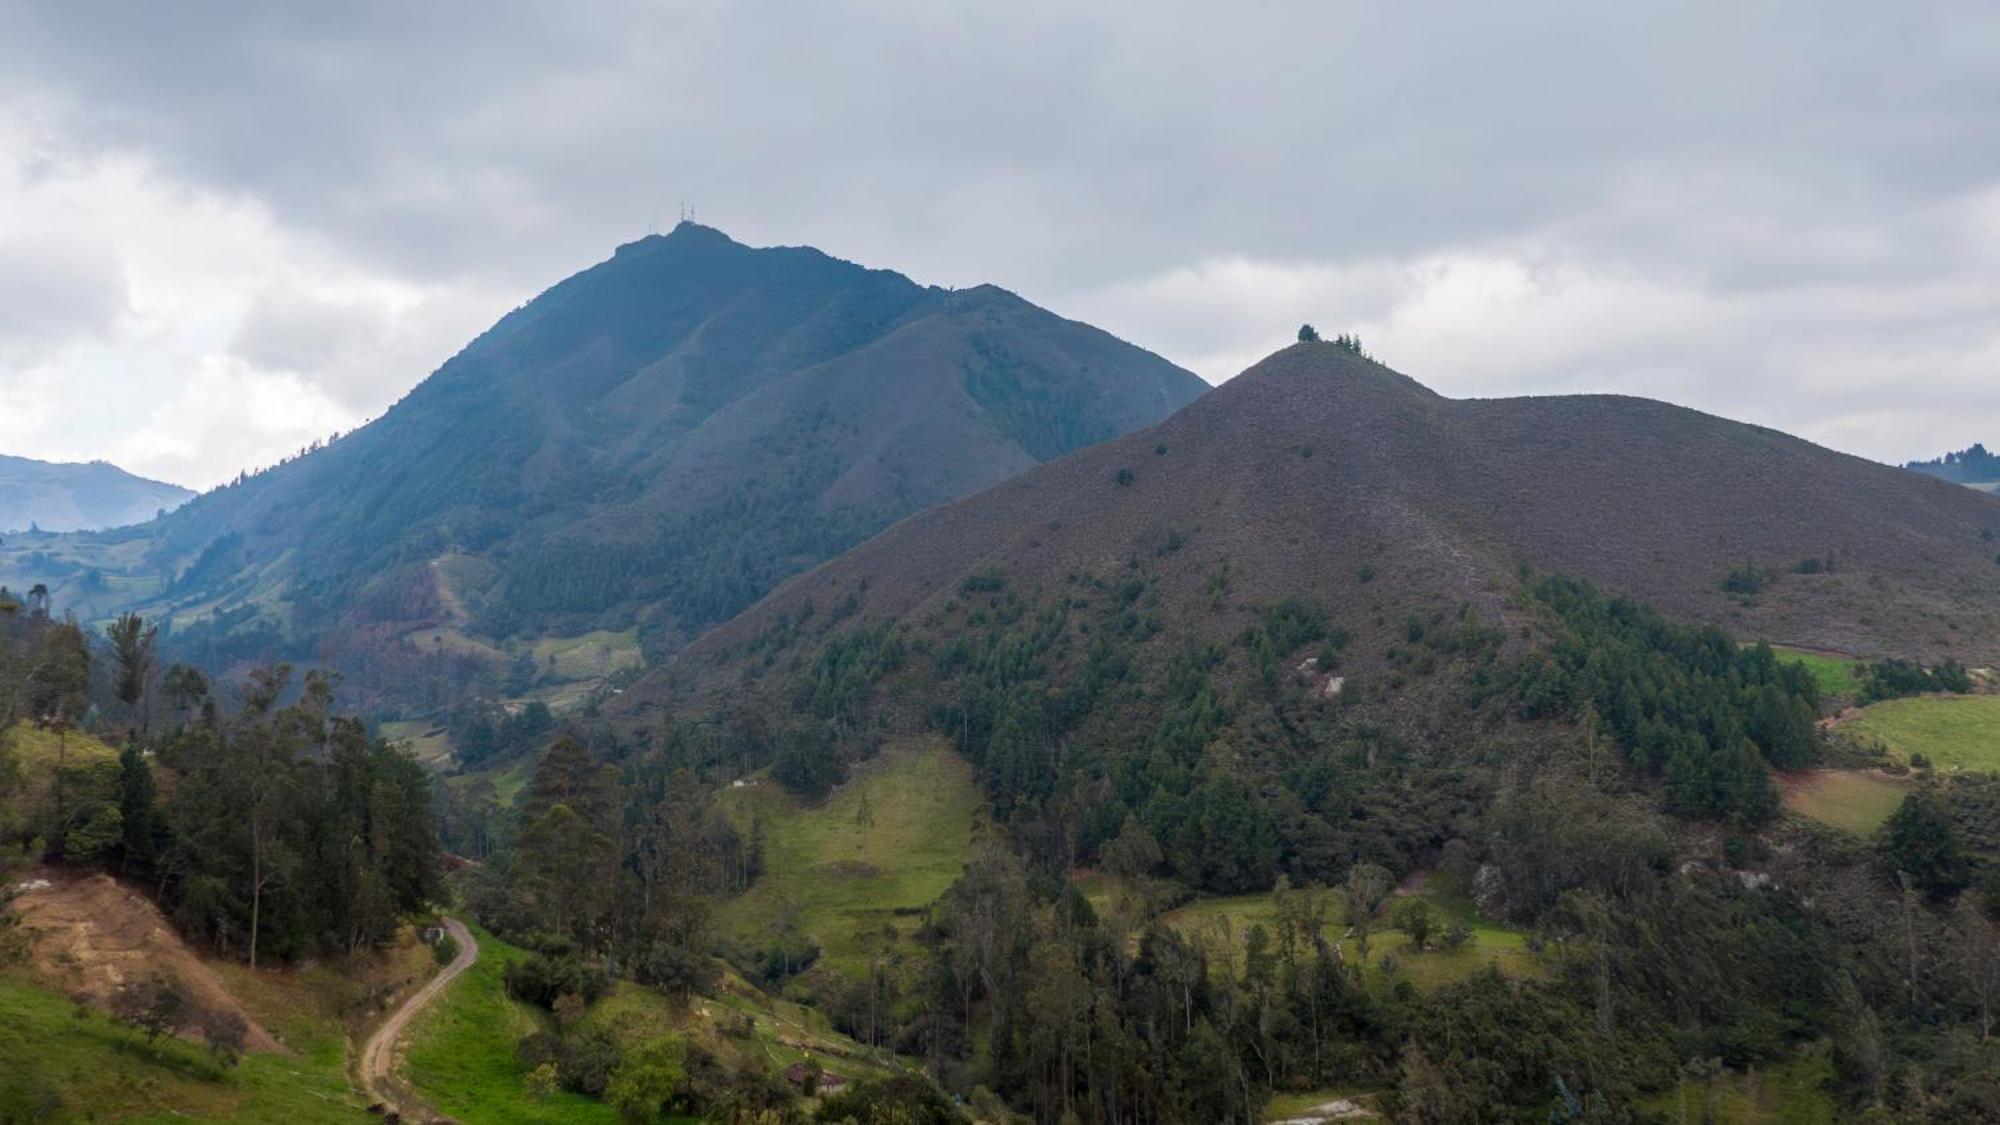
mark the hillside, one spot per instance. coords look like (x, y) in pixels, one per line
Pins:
(1333, 697)
(89, 496)
(654, 442)
(1320, 473)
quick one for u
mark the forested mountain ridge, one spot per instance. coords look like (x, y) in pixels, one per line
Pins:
(653, 442)
(55, 496)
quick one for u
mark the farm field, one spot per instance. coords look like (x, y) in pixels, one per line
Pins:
(895, 836)
(1953, 731)
(1855, 800)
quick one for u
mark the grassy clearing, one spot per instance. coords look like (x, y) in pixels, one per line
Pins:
(895, 836)
(593, 655)
(1855, 800)
(459, 1053)
(427, 740)
(1794, 1094)
(1224, 922)
(1835, 675)
(37, 749)
(1282, 1106)
(1953, 731)
(102, 1072)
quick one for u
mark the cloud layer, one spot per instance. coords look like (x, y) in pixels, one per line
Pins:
(226, 231)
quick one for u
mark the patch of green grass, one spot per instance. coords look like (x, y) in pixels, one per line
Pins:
(895, 836)
(103, 1071)
(590, 656)
(459, 1052)
(426, 740)
(1835, 675)
(37, 749)
(1793, 1094)
(1282, 1106)
(1227, 921)
(1855, 800)
(1953, 731)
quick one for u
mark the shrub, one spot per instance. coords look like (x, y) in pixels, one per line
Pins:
(1308, 334)
(543, 977)
(906, 1099)
(1747, 580)
(1124, 477)
(676, 970)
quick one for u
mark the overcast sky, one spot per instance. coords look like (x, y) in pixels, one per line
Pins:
(228, 230)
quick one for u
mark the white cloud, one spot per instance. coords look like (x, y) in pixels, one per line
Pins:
(132, 303)
(228, 413)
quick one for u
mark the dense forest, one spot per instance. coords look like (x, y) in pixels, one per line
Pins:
(1601, 783)
(1581, 767)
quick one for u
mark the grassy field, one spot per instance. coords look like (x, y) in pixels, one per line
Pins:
(1856, 800)
(1954, 732)
(459, 1053)
(101, 1071)
(896, 835)
(427, 740)
(1835, 675)
(39, 749)
(1794, 1094)
(590, 656)
(1225, 921)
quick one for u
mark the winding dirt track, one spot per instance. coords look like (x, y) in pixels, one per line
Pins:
(378, 1055)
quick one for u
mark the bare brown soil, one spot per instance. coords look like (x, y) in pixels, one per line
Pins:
(89, 937)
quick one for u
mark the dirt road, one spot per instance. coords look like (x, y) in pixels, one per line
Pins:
(378, 1055)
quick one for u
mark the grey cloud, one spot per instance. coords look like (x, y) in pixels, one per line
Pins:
(52, 292)
(1741, 152)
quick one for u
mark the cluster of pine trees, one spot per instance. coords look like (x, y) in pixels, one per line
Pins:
(272, 829)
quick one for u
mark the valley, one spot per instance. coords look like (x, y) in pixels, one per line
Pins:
(1335, 749)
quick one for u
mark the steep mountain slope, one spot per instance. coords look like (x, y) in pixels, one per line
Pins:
(1323, 474)
(654, 442)
(57, 496)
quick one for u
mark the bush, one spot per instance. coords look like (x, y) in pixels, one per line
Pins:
(1747, 580)
(903, 1100)
(541, 978)
(809, 764)
(1124, 477)
(676, 970)
(444, 950)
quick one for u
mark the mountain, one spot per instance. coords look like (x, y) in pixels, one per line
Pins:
(649, 445)
(1974, 466)
(69, 496)
(1320, 473)
(1242, 686)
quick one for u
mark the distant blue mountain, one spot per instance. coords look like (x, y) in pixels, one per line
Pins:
(59, 496)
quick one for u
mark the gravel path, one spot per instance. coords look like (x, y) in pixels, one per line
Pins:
(378, 1055)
